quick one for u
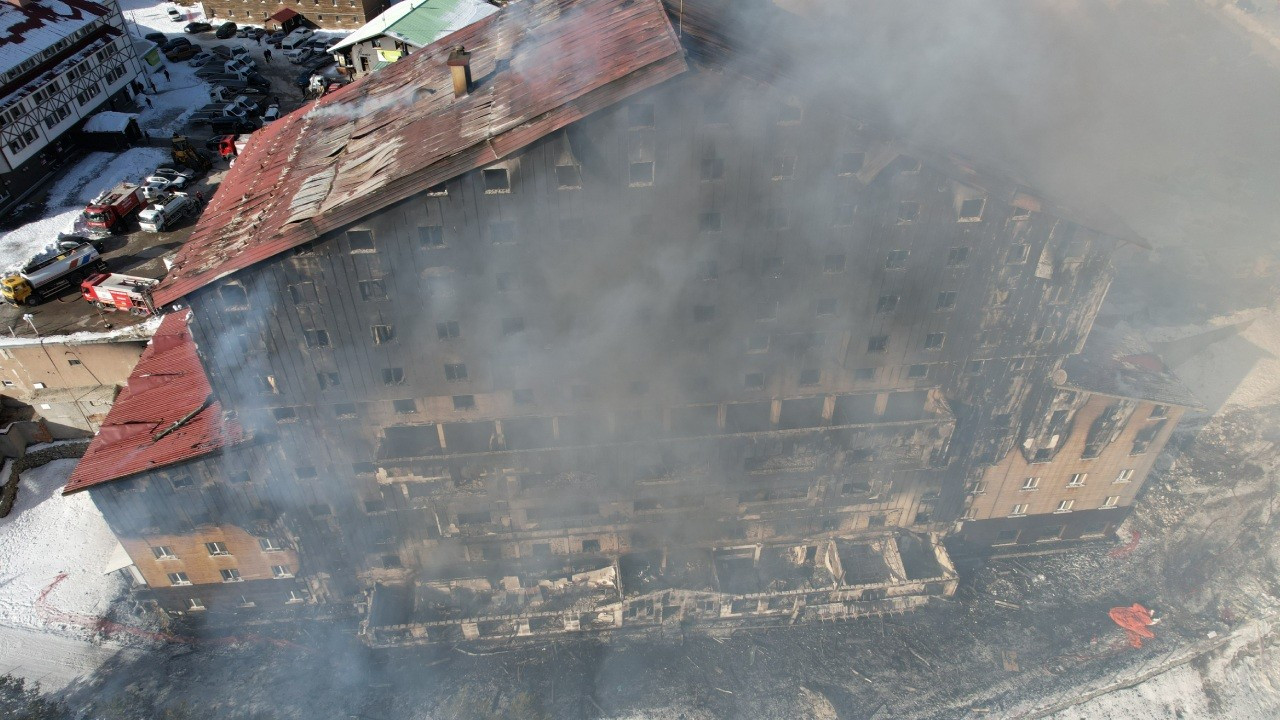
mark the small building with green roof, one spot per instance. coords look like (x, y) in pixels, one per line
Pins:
(403, 28)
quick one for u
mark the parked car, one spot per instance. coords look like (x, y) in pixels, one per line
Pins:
(299, 56)
(182, 52)
(154, 187)
(176, 15)
(174, 43)
(277, 37)
(255, 32)
(177, 177)
(200, 60)
(225, 30)
(232, 125)
(231, 52)
(197, 27)
(157, 37)
(272, 113)
(258, 80)
(214, 143)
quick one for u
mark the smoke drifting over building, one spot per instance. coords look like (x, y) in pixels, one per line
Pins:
(605, 314)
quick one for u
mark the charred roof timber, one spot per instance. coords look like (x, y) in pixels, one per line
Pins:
(460, 67)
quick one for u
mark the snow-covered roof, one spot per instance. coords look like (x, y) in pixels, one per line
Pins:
(108, 121)
(26, 31)
(420, 22)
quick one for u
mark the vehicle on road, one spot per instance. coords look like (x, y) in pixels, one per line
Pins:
(111, 210)
(176, 15)
(168, 211)
(225, 30)
(71, 258)
(174, 44)
(177, 177)
(201, 59)
(113, 291)
(197, 27)
(185, 52)
(156, 37)
(155, 186)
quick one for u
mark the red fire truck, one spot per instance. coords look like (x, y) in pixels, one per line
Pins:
(112, 291)
(110, 212)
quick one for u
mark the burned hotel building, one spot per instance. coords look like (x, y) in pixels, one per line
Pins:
(571, 322)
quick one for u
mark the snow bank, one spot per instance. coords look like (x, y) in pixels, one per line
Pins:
(1239, 367)
(78, 185)
(44, 536)
(108, 121)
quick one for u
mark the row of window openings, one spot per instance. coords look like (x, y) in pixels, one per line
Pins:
(1066, 506)
(230, 575)
(1077, 480)
(196, 604)
(215, 549)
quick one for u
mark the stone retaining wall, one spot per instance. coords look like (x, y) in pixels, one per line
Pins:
(35, 458)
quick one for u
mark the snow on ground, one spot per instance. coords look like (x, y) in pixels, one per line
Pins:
(1240, 370)
(78, 185)
(45, 535)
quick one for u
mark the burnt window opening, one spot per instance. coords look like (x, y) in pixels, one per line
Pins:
(974, 367)
(438, 190)
(754, 381)
(946, 300)
(496, 180)
(448, 330)
(181, 481)
(810, 377)
(704, 313)
(371, 290)
(878, 344)
(405, 407)
(361, 241)
(915, 372)
(345, 410)
(1020, 213)
(285, 414)
(464, 402)
(370, 506)
(771, 267)
(568, 177)
(833, 264)
(709, 222)
(1043, 455)
(316, 338)
(233, 296)
(1017, 254)
(301, 293)
(887, 303)
(1042, 334)
(758, 344)
(825, 307)
(843, 215)
(1077, 248)
(958, 256)
(971, 210)
(393, 376)
(640, 174)
(778, 218)
(866, 374)
(850, 163)
(712, 168)
(784, 167)
(455, 372)
(502, 232)
(363, 468)
(896, 259)
(908, 211)
(1159, 411)
(327, 380)
(590, 546)
(768, 309)
(640, 115)
(266, 384)
(383, 334)
(512, 325)
(708, 270)
(431, 236)
(522, 396)
(934, 341)
(320, 510)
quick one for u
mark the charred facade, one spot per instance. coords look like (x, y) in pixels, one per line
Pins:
(712, 352)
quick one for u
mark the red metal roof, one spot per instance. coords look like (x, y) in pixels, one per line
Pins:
(284, 14)
(167, 386)
(538, 65)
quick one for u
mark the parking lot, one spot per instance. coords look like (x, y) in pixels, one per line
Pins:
(139, 252)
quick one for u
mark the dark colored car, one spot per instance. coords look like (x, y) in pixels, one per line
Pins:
(160, 38)
(214, 143)
(257, 80)
(174, 44)
(225, 30)
(182, 52)
(197, 27)
(231, 126)
(275, 38)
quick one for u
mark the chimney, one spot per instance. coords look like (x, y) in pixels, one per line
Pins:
(460, 65)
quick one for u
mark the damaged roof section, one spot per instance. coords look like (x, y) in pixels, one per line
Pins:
(1123, 365)
(165, 415)
(537, 65)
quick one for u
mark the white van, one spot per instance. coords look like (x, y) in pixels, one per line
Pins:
(295, 38)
